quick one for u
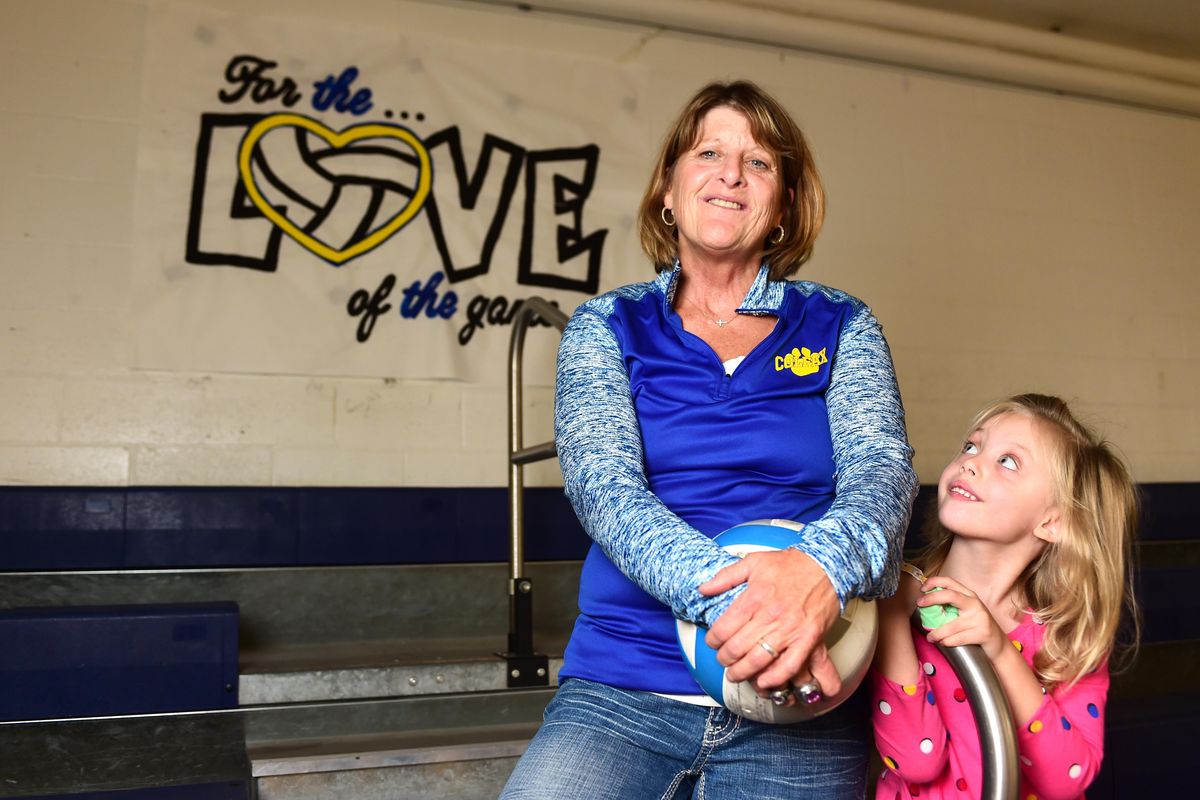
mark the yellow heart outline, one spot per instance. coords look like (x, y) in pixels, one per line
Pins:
(336, 139)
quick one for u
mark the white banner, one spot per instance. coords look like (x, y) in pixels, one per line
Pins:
(318, 199)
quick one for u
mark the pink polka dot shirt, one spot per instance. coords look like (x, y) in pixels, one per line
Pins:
(927, 737)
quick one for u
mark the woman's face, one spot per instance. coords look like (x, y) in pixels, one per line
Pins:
(724, 191)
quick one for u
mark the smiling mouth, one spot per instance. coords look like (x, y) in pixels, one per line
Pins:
(962, 492)
(717, 201)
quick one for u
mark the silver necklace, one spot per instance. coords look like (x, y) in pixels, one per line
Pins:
(720, 323)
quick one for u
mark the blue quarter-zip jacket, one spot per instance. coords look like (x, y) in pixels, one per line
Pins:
(661, 451)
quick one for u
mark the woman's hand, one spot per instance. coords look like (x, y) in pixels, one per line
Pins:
(974, 625)
(789, 604)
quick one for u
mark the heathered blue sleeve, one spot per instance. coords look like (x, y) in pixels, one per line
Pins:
(859, 539)
(600, 452)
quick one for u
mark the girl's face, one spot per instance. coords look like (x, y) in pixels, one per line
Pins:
(724, 191)
(1000, 488)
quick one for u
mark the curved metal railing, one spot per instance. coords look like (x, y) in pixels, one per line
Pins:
(993, 719)
(525, 666)
(993, 715)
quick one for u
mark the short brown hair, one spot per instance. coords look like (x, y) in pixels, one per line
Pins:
(802, 197)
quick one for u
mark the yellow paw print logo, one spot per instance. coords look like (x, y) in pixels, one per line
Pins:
(801, 361)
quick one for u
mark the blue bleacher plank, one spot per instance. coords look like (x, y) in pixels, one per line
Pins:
(79, 661)
(225, 790)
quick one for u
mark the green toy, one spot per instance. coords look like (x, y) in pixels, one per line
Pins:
(936, 616)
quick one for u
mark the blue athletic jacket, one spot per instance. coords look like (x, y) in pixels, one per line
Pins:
(661, 450)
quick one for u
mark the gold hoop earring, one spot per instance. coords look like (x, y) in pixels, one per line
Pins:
(779, 236)
(670, 223)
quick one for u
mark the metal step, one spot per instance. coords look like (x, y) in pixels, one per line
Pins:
(117, 754)
(455, 780)
(459, 745)
(383, 668)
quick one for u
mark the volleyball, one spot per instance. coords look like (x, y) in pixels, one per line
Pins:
(850, 641)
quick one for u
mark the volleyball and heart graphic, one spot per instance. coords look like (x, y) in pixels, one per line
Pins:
(339, 194)
(850, 641)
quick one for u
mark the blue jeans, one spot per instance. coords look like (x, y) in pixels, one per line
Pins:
(601, 742)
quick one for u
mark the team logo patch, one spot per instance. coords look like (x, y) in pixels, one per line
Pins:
(801, 361)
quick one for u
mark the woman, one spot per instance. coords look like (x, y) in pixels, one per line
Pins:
(717, 394)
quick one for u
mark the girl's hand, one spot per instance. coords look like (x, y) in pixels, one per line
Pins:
(974, 625)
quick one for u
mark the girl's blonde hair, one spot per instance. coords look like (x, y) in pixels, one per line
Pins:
(801, 197)
(1079, 584)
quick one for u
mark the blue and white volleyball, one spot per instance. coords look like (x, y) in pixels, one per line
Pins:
(851, 640)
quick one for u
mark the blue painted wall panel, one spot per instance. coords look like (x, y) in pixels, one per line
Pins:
(47, 528)
(53, 529)
(139, 528)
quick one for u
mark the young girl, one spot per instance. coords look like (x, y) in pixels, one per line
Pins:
(1028, 559)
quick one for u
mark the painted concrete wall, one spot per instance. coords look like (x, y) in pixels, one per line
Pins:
(1009, 240)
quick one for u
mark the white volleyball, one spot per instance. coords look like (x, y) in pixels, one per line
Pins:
(850, 641)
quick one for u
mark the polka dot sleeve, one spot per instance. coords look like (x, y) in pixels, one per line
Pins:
(1063, 743)
(909, 731)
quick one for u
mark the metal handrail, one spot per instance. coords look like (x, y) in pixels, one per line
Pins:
(526, 667)
(993, 719)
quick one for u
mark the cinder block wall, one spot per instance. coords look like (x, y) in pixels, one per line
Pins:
(1009, 240)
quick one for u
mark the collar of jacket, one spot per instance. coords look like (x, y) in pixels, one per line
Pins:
(765, 295)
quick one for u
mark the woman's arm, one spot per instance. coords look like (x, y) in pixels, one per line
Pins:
(599, 446)
(859, 539)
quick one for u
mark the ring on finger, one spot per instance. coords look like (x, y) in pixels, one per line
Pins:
(771, 651)
(809, 692)
(780, 696)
